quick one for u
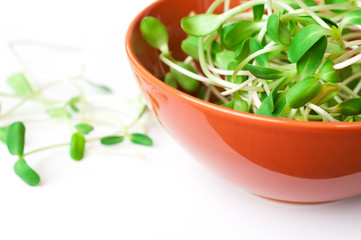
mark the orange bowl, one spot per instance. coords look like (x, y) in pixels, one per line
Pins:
(285, 160)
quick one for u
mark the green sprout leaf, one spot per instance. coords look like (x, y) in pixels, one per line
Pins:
(77, 146)
(327, 92)
(84, 128)
(4, 134)
(351, 18)
(239, 104)
(278, 31)
(265, 72)
(232, 35)
(304, 40)
(243, 50)
(312, 59)
(258, 12)
(26, 173)
(16, 138)
(141, 139)
(327, 73)
(224, 58)
(187, 83)
(171, 80)
(20, 85)
(111, 140)
(155, 33)
(255, 46)
(202, 24)
(190, 47)
(303, 92)
(350, 107)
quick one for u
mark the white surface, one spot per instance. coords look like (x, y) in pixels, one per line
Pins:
(167, 195)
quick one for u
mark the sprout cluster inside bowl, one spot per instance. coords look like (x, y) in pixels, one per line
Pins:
(278, 58)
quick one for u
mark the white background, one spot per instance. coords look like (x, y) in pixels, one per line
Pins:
(167, 195)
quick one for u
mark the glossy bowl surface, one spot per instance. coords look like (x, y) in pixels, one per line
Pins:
(286, 160)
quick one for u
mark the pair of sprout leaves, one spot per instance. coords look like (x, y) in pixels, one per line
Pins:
(306, 50)
(14, 135)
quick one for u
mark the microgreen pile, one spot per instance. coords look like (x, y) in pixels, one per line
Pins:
(296, 59)
(80, 114)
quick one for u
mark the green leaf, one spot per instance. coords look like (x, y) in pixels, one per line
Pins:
(202, 24)
(4, 134)
(26, 173)
(278, 31)
(255, 46)
(58, 112)
(294, 5)
(279, 107)
(258, 12)
(350, 107)
(303, 92)
(187, 83)
(351, 18)
(141, 139)
(170, 80)
(84, 128)
(233, 35)
(77, 146)
(190, 47)
(111, 140)
(312, 59)
(304, 40)
(243, 50)
(265, 72)
(16, 138)
(20, 85)
(327, 73)
(224, 58)
(239, 104)
(328, 91)
(155, 33)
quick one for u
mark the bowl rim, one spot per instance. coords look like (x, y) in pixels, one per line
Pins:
(213, 107)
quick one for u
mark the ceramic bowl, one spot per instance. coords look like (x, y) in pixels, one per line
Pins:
(285, 160)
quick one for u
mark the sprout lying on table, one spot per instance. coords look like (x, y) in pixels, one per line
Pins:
(288, 59)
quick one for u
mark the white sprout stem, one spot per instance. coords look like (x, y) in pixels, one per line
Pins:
(347, 55)
(188, 60)
(292, 113)
(324, 8)
(226, 5)
(214, 5)
(256, 99)
(347, 90)
(357, 88)
(262, 33)
(228, 72)
(239, 87)
(218, 94)
(348, 62)
(268, 48)
(352, 43)
(351, 78)
(352, 35)
(312, 14)
(182, 70)
(322, 112)
(265, 86)
(269, 7)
